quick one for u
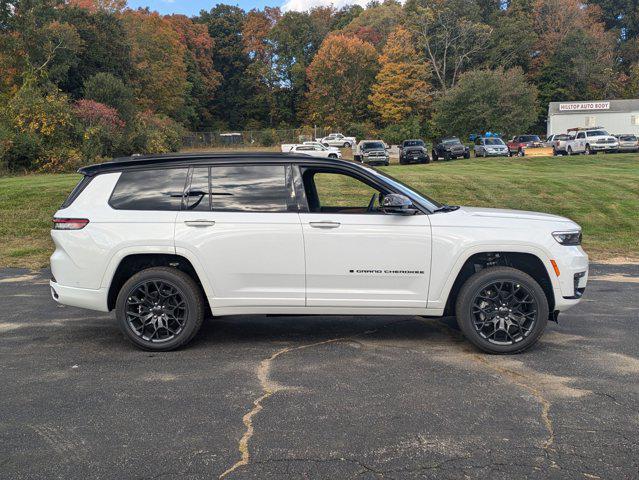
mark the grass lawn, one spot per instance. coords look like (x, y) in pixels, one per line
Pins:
(600, 192)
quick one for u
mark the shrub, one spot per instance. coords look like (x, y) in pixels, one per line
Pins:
(100, 129)
(267, 138)
(394, 134)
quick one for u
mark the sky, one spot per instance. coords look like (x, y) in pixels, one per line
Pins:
(193, 7)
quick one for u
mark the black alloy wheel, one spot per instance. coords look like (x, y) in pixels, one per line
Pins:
(160, 308)
(502, 310)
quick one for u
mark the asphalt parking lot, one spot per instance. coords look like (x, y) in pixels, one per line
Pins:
(312, 397)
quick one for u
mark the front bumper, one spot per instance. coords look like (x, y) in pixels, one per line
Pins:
(80, 297)
(602, 147)
(571, 282)
(375, 160)
(497, 154)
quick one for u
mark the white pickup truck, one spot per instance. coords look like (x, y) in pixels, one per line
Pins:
(287, 147)
(589, 141)
(338, 140)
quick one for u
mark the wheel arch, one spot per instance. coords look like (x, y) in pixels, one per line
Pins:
(132, 263)
(527, 262)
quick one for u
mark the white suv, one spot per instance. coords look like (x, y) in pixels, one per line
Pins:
(162, 239)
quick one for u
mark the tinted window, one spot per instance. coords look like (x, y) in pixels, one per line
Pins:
(159, 189)
(529, 138)
(627, 138)
(493, 141)
(250, 188)
(450, 140)
(597, 133)
(371, 145)
(562, 137)
(413, 143)
(198, 195)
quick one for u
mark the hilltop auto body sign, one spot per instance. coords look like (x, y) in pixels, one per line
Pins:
(567, 107)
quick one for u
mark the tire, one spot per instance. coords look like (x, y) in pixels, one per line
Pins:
(435, 157)
(187, 290)
(347, 145)
(332, 155)
(481, 283)
(587, 151)
(521, 153)
(446, 156)
(569, 152)
(554, 152)
(467, 155)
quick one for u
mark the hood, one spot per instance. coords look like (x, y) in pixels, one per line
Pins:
(500, 213)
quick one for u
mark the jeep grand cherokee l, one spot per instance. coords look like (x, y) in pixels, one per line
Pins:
(163, 239)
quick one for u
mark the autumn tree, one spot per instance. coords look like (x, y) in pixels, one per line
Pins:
(160, 77)
(498, 100)
(402, 87)
(262, 54)
(375, 24)
(340, 78)
(203, 79)
(450, 35)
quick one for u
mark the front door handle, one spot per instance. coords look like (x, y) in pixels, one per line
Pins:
(324, 224)
(199, 223)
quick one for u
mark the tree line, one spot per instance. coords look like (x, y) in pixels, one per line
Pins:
(84, 79)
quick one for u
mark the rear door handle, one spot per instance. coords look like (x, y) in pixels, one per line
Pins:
(199, 223)
(324, 224)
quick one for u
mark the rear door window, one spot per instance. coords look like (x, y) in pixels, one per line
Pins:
(158, 189)
(251, 188)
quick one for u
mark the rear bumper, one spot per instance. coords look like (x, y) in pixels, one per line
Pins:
(80, 297)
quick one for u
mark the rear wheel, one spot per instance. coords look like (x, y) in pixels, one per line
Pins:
(520, 152)
(332, 155)
(160, 309)
(502, 310)
(347, 145)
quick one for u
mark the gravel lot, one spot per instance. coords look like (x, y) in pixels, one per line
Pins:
(313, 397)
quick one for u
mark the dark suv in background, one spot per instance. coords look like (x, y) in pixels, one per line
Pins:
(450, 147)
(413, 151)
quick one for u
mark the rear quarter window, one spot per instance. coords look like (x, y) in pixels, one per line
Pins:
(77, 190)
(158, 189)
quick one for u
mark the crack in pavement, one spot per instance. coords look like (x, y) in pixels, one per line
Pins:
(517, 379)
(270, 387)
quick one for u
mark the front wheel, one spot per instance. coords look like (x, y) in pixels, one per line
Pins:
(160, 309)
(347, 145)
(502, 310)
(332, 155)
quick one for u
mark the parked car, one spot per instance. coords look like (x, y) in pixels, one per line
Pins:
(628, 143)
(558, 143)
(590, 141)
(413, 151)
(372, 152)
(287, 147)
(319, 151)
(337, 140)
(490, 147)
(450, 147)
(164, 239)
(528, 145)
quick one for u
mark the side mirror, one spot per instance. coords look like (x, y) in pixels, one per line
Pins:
(397, 204)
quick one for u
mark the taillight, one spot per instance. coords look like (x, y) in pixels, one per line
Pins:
(69, 223)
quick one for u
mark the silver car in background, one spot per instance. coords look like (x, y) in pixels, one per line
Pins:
(628, 143)
(490, 147)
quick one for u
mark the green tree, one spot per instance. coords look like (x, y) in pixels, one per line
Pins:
(498, 100)
(110, 90)
(225, 24)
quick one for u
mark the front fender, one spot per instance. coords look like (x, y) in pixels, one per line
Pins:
(441, 285)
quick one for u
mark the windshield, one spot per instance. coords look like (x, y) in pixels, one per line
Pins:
(376, 145)
(447, 141)
(561, 137)
(627, 138)
(493, 141)
(597, 133)
(529, 138)
(413, 143)
(410, 192)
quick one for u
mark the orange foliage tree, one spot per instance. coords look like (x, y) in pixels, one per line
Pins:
(340, 78)
(160, 76)
(402, 88)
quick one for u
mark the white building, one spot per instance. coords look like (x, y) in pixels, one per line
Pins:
(616, 116)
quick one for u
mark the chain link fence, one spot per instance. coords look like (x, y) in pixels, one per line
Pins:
(251, 138)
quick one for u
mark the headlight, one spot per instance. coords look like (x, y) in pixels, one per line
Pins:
(568, 238)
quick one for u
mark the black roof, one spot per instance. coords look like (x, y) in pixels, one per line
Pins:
(186, 159)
